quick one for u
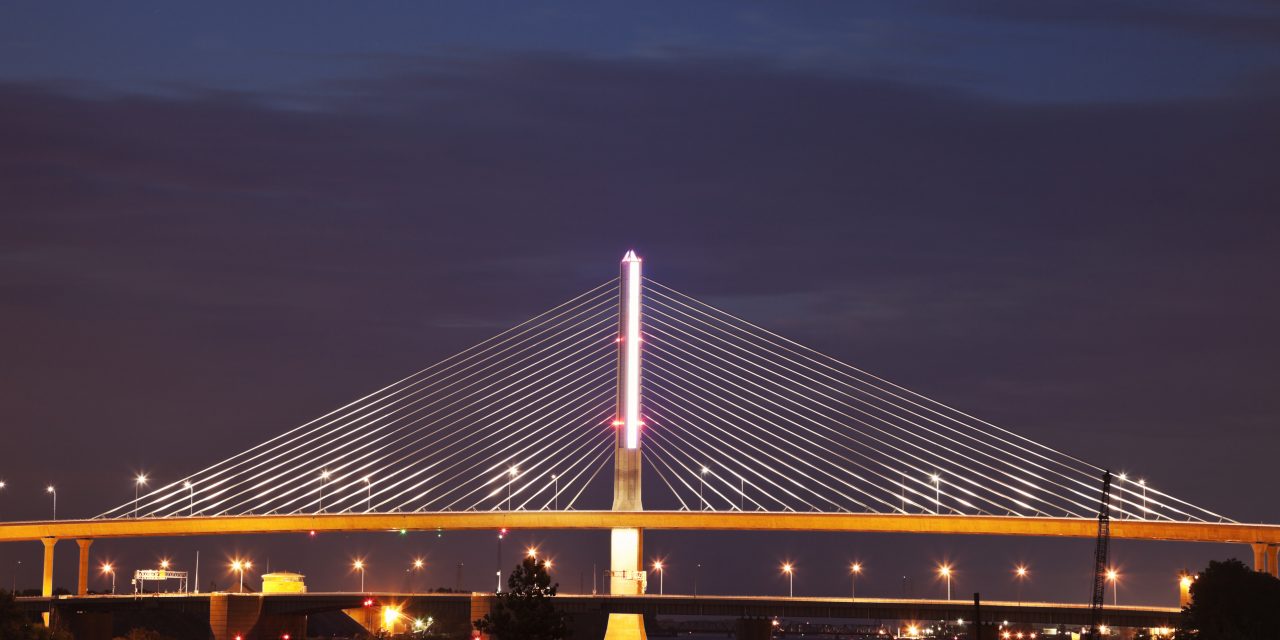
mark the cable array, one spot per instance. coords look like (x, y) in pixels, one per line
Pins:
(740, 418)
(735, 417)
(519, 421)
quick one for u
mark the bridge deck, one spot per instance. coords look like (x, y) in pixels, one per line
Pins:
(653, 520)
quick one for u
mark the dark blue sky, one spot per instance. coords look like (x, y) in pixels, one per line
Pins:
(1059, 216)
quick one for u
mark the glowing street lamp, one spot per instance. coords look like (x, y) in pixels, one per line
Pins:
(53, 492)
(164, 564)
(358, 565)
(240, 566)
(854, 570)
(107, 568)
(937, 498)
(138, 483)
(1113, 577)
(191, 491)
(945, 572)
(657, 566)
(532, 552)
(1020, 573)
(368, 500)
(1143, 484)
(555, 478)
(790, 570)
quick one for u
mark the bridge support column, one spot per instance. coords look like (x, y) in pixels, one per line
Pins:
(1259, 557)
(46, 583)
(82, 577)
(1273, 556)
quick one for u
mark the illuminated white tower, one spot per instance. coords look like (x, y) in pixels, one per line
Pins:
(626, 563)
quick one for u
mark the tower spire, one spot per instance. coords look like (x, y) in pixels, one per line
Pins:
(626, 459)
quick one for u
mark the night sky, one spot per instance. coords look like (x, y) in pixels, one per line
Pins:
(1062, 217)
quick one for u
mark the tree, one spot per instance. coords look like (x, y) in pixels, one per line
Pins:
(525, 611)
(1230, 601)
(17, 625)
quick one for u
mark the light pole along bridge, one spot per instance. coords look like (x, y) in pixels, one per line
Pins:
(742, 429)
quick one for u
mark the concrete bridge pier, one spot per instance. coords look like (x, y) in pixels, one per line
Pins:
(46, 583)
(1265, 558)
(82, 577)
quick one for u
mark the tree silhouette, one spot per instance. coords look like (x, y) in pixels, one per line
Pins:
(525, 611)
(1230, 601)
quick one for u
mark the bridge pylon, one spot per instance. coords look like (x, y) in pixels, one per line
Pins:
(626, 548)
(626, 564)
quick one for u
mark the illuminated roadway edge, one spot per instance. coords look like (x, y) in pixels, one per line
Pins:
(653, 520)
(673, 605)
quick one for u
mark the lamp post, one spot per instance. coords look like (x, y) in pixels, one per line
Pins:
(107, 568)
(502, 533)
(324, 480)
(555, 478)
(945, 572)
(191, 497)
(791, 579)
(657, 566)
(368, 500)
(702, 476)
(139, 482)
(1113, 577)
(240, 566)
(696, 570)
(416, 568)
(937, 495)
(513, 472)
(358, 565)
(854, 570)
(1020, 573)
(1143, 484)
(53, 492)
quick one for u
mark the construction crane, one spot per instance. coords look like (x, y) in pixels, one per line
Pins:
(1100, 558)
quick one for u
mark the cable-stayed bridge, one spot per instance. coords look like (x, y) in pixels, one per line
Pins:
(544, 425)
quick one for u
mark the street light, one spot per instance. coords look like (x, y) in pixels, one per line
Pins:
(657, 566)
(788, 569)
(107, 568)
(556, 497)
(324, 480)
(945, 571)
(854, 570)
(513, 472)
(1020, 573)
(702, 504)
(368, 500)
(164, 564)
(1143, 484)
(53, 492)
(191, 489)
(139, 482)
(937, 498)
(1113, 577)
(240, 566)
(360, 566)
